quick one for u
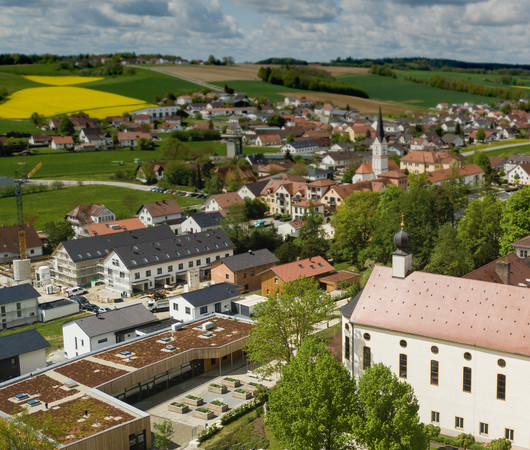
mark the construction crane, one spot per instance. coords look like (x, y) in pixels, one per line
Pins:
(20, 211)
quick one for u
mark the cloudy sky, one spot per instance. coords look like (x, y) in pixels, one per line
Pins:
(249, 30)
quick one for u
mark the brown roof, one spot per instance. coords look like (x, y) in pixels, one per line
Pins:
(444, 174)
(365, 168)
(63, 139)
(319, 183)
(306, 203)
(98, 229)
(84, 212)
(227, 199)
(518, 269)
(341, 275)
(132, 135)
(309, 267)
(9, 238)
(524, 242)
(270, 138)
(163, 208)
(244, 171)
(472, 312)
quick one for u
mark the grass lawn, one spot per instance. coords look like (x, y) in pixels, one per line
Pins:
(51, 331)
(522, 150)
(53, 205)
(344, 266)
(328, 334)
(18, 126)
(498, 144)
(408, 92)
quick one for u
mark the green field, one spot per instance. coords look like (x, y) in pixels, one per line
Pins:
(18, 126)
(407, 92)
(37, 69)
(53, 205)
(523, 150)
(260, 89)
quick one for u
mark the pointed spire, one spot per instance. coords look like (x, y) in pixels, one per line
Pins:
(380, 130)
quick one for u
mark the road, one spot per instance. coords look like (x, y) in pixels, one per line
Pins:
(70, 183)
(490, 149)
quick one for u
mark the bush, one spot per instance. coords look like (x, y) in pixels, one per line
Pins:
(432, 431)
(235, 413)
(465, 440)
(500, 444)
(207, 433)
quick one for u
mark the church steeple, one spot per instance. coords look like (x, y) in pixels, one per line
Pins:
(380, 129)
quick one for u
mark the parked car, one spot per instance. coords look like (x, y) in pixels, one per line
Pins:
(89, 307)
(102, 309)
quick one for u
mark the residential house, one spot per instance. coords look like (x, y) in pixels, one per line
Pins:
(216, 298)
(130, 138)
(305, 147)
(470, 175)
(279, 195)
(93, 136)
(18, 305)
(235, 172)
(519, 174)
(221, 202)
(243, 269)
(301, 208)
(62, 142)
(453, 140)
(117, 226)
(158, 112)
(275, 277)
(316, 189)
(461, 344)
(422, 161)
(141, 118)
(508, 269)
(199, 222)
(522, 248)
(77, 262)
(252, 190)
(9, 249)
(338, 194)
(268, 140)
(318, 174)
(40, 139)
(290, 229)
(142, 266)
(339, 280)
(102, 330)
(158, 213)
(22, 353)
(340, 160)
(87, 214)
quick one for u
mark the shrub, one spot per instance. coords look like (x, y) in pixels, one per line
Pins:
(179, 404)
(233, 380)
(218, 403)
(465, 440)
(207, 433)
(235, 413)
(203, 409)
(500, 444)
(218, 386)
(432, 431)
(242, 390)
(193, 397)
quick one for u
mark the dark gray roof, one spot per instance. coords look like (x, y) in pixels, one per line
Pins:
(97, 247)
(249, 259)
(303, 144)
(158, 326)
(23, 342)
(212, 294)
(380, 132)
(347, 309)
(17, 293)
(56, 303)
(115, 320)
(207, 220)
(257, 187)
(135, 255)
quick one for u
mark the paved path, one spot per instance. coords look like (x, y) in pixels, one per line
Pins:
(70, 183)
(213, 87)
(490, 149)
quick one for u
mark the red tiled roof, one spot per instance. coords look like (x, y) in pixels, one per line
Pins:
(524, 242)
(365, 168)
(9, 238)
(472, 312)
(98, 229)
(309, 267)
(227, 199)
(163, 208)
(519, 271)
(444, 174)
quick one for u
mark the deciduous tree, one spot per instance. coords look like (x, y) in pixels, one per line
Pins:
(312, 405)
(450, 256)
(58, 231)
(515, 222)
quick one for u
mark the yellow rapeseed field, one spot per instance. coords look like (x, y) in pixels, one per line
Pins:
(50, 101)
(61, 81)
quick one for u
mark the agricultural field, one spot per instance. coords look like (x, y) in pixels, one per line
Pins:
(54, 204)
(407, 92)
(18, 126)
(505, 152)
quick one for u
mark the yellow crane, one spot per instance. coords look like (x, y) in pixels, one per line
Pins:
(20, 211)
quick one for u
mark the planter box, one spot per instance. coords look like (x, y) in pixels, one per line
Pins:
(217, 408)
(218, 390)
(179, 409)
(202, 415)
(251, 388)
(193, 402)
(231, 384)
(242, 395)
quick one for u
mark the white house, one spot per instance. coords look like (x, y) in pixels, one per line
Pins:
(88, 214)
(216, 298)
(159, 212)
(102, 330)
(519, 174)
(304, 147)
(142, 266)
(22, 353)
(158, 112)
(18, 305)
(202, 222)
(463, 345)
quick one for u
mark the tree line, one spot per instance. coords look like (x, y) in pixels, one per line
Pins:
(308, 78)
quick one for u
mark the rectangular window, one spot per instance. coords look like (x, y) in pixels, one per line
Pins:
(203, 310)
(198, 262)
(466, 381)
(188, 310)
(434, 372)
(347, 348)
(175, 307)
(169, 269)
(100, 341)
(159, 271)
(252, 273)
(190, 263)
(207, 260)
(19, 310)
(244, 274)
(181, 266)
(227, 276)
(276, 281)
(508, 434)
(459, 423)
(136, 275)
(367, 358)
(147, 273)
(435, 416)
(484, 428)
(122, 275)
(402, 365)
(501, 386)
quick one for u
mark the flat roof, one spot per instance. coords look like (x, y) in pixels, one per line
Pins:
(250, 300)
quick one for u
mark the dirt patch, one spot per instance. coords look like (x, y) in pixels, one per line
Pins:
(335, 347)
(90, 373)
(215, 73)
(337, 71)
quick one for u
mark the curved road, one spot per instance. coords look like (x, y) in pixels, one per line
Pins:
(70, 183)
(499, 147)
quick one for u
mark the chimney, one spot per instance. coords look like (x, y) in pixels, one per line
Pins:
(502, 268)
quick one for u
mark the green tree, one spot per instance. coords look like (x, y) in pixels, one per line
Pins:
(163, 433)
(311, 239)
(465, 440)
(233, 181)
(450, 256)
(172, 148)
(148, 172)
(515, 222)
(213, 185)
(276, 121)
(500, 444)
(287, 252)
(66, 127)
(354, 225)
(24, 432)
(480, 231)
(285, 320)
(312, 405)
(347, 176)
(58, 231)
(178, 173)
(144, 144)
(299, 169)
(130, 201)
(255, 208)
(481, 135)
(387, 415)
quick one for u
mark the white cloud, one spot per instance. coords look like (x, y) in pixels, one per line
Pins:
(308, 10)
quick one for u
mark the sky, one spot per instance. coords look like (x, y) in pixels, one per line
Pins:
(251, 30)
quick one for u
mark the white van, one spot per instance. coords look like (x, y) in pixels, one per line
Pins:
(70, 292)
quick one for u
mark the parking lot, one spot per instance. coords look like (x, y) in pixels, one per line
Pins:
(180, 193)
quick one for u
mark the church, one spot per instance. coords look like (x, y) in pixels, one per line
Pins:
(462, 344)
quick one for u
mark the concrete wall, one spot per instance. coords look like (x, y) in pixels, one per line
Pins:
(32, 361)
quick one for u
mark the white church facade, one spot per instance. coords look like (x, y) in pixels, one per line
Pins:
(463, 345)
